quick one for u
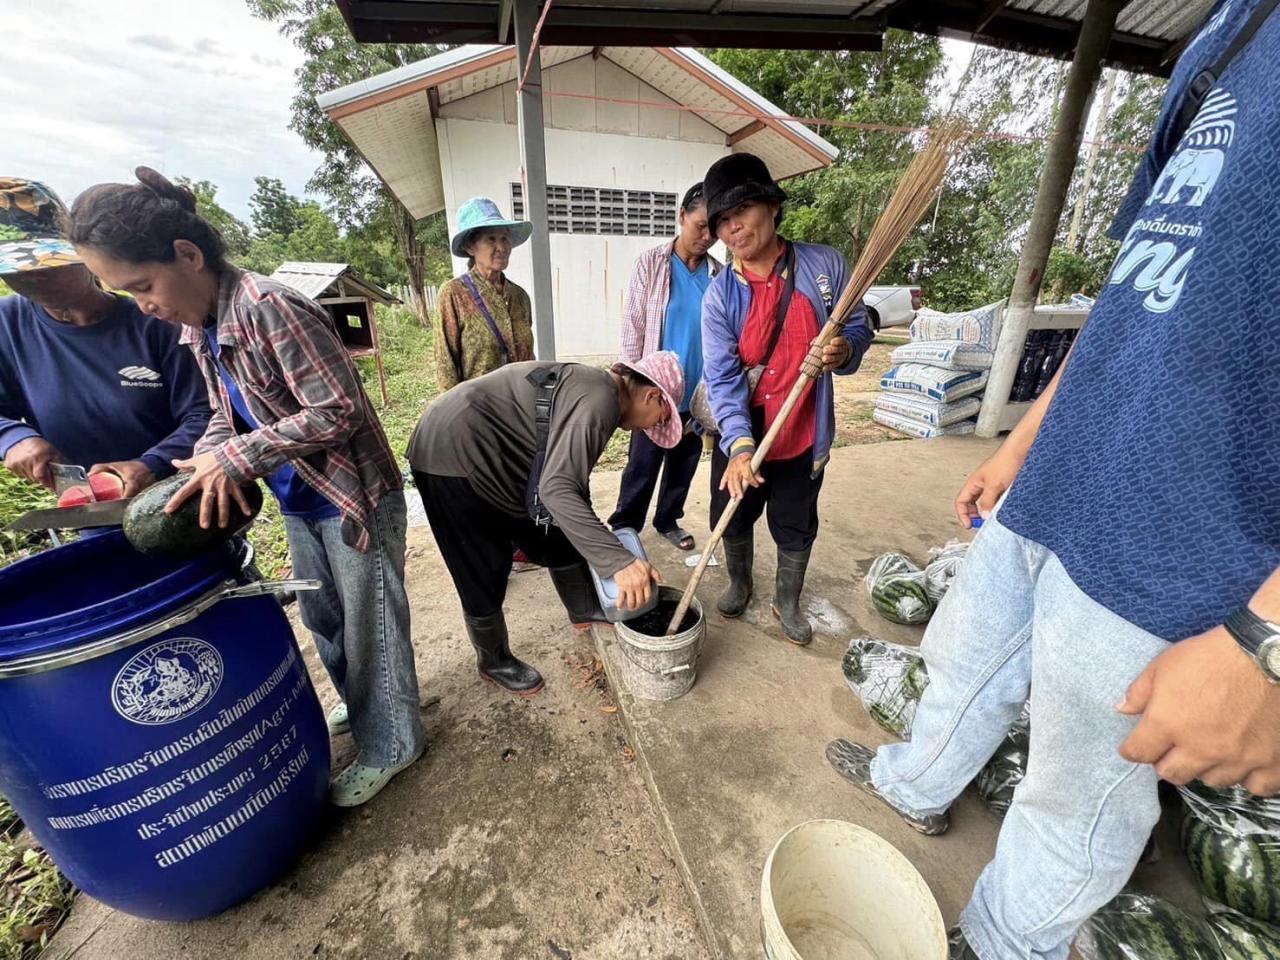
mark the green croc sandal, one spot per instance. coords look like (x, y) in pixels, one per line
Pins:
(359, 784)
(339, 720)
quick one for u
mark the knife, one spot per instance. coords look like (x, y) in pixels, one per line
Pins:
(102, 513)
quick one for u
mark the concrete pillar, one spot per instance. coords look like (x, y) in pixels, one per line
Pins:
(533, 162)
(1055, 182)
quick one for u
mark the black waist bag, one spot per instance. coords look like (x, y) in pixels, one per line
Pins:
(545, 380)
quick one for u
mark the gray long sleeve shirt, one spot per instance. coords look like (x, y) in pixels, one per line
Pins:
(484, 430)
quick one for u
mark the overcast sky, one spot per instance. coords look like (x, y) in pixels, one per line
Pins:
(196, 88)
(199, 88)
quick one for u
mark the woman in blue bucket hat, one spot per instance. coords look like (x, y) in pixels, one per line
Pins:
(486, 320)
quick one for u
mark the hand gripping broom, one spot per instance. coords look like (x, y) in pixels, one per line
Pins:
(906, 207)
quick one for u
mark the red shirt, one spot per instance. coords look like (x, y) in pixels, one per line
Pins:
(798, 330)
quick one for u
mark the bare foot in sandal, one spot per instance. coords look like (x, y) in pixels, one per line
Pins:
(681, 539)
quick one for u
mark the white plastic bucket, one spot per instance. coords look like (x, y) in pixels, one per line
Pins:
(836, 891)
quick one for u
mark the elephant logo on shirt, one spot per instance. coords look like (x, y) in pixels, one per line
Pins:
(1196, 171)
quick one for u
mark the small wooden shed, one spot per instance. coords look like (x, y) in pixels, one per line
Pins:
(350, 300)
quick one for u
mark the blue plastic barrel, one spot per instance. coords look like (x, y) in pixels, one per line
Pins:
(159, 733)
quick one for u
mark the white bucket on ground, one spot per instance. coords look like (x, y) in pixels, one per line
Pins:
(661, 668)
(836, 891)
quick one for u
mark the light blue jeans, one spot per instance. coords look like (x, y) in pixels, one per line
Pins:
(360, 621)
(1013, 625)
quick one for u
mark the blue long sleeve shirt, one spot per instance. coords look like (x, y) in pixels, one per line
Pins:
(123, 388)
(821, 275)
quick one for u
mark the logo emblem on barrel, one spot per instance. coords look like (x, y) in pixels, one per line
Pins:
(167, 681)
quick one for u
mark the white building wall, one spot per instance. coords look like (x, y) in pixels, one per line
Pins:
(480, 156)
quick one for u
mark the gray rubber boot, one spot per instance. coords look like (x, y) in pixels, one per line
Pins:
(739, 555)
(494, 658)
(786, 596)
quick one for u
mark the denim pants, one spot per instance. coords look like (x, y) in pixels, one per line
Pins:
(1013, 624)
(360, 621)
(645, 460)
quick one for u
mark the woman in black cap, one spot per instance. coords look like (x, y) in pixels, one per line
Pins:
(758, 323)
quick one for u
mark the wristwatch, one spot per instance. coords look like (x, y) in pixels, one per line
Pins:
(1259, 638)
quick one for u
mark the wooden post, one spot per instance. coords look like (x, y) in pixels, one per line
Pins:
(1055, 182)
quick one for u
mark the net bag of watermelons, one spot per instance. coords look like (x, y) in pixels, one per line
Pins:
(889, 679)
(944, 564)
(1008, 765)
(1141, 927)
(897, 589)
(1232, 842)
(1243, 938)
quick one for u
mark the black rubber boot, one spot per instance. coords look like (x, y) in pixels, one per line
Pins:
(786, 596)
(578, 594)
(495, 660)
(738, 557)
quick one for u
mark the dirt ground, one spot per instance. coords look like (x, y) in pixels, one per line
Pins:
(525, 831)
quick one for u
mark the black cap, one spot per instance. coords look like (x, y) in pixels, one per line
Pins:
(734, 180)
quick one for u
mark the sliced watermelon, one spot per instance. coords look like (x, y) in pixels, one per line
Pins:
(76, 496)
(107, 486)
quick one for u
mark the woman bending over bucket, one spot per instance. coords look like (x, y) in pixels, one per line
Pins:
(289, 408)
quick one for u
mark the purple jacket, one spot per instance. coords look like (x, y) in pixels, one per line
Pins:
(821, 275)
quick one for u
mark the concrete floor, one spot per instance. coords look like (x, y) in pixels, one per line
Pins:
(526, 831)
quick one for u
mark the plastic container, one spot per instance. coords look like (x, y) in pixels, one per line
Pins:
(835, 891)
(662, 668)
(159, 733)
(607, 590)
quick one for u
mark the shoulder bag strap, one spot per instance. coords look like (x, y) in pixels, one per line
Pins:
(484, 308)
(1206, 80)
(788, 266)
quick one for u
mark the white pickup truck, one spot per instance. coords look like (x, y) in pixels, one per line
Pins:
(892, 306)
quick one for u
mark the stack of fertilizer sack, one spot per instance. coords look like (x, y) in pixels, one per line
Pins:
(935, 386)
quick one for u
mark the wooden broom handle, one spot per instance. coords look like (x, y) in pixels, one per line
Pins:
(829, 331)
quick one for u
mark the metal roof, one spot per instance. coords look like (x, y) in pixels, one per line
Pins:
(1149, 35)
(389, 117)
(316, 280)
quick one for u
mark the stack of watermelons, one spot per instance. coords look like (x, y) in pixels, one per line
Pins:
(1143, 927)
(1232, 841)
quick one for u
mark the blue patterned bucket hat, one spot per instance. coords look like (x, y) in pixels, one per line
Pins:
(31, 217)
(480, 213)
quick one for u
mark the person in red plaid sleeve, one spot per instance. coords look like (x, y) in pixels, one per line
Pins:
(289, 409)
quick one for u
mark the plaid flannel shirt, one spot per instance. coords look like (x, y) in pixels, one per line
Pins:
(648, 293)
(281, 349)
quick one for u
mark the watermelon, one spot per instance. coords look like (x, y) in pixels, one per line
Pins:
(897, 588)
(1240, 872)
(76, 496)
(1243, 938)
(1140, 927)
(152, 531)
(1000, 776)
(889, 679)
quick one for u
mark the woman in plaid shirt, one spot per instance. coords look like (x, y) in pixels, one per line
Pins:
(289, 409)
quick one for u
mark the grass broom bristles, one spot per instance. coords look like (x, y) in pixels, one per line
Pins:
(912, 198)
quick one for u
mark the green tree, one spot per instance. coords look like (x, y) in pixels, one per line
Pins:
(840, 204)
(273, 209)
(235, 234)
(333, 58)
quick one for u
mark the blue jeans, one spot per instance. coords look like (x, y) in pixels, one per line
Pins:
(1013, 625)
(360, 621)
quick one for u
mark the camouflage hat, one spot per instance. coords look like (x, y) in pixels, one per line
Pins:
(31, 218)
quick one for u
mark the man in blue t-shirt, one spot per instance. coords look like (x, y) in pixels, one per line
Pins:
(1129, 583)
(663, 311)
(85, 377)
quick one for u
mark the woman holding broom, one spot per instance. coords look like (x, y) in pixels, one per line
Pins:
(758, 322)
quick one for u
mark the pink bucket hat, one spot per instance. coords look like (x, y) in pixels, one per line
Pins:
(663, 368)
